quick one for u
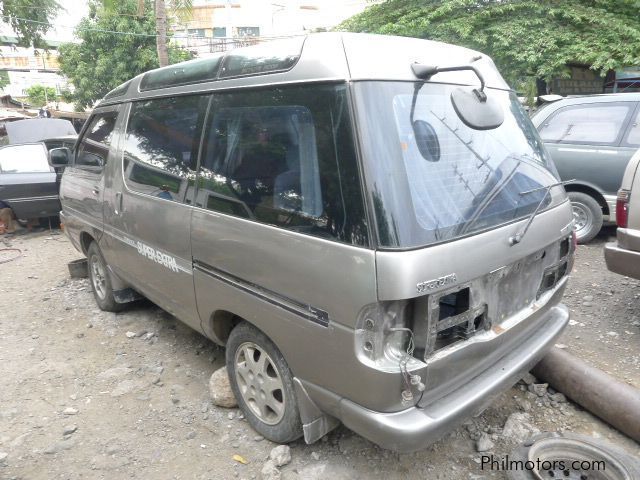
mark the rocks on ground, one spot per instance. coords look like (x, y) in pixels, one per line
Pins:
(518, 428)
(280, 455)
(220, 389)
(484, 443)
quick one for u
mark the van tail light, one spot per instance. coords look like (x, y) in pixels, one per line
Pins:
(622, 208)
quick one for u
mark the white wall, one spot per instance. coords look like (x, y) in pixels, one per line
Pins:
(285, 17)
(21, 80)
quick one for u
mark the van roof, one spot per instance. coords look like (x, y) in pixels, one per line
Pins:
(316, 57)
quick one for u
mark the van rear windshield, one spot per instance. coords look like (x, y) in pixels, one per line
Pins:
(462, 181)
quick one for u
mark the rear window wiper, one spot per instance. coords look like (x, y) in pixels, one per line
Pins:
(517, 238)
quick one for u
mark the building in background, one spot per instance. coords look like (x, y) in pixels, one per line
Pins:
(219, 25)
(20, 67)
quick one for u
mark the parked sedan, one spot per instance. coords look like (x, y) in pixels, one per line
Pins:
(623, 255)
(27, 182)
(591, 140)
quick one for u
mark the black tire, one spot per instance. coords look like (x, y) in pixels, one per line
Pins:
(522, 454)
(588, 216)
(281, 427)
(100, 281)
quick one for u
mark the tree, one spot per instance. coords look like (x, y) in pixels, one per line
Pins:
(104, 60)
(39, 95)
(4, 79)
(30, 19)
(526, 38)
(180, 8)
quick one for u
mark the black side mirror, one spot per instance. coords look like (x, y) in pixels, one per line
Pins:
(59, 157)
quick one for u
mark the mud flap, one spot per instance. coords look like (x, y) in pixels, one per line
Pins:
(126, 295)
(122, 293)
(315, 423)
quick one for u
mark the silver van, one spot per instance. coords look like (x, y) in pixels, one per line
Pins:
(369, 224)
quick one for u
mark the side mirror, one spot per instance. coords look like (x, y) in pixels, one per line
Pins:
(477, 109)
(59, 157)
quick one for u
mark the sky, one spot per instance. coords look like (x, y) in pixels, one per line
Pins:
(73, 10)
(71, 13)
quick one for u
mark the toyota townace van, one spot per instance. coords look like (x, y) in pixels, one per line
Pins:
(369, 224)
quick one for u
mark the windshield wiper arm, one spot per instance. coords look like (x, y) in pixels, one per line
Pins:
(517, 238)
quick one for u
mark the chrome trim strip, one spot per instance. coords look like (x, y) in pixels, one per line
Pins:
(303, 310)
(31, 199)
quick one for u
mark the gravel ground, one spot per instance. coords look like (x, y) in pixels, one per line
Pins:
(88, 394)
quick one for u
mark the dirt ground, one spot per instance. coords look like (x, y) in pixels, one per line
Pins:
(82, 397)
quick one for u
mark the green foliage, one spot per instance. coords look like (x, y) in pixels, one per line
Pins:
(102, 61)
(4, 79)
(536, 38)
(528, 88)
(180, 8)
(39, 95)
(40, 12)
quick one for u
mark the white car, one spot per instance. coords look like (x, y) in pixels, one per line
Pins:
(623, 255)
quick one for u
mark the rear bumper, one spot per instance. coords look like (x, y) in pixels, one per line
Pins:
(415, 428)
(622, 261)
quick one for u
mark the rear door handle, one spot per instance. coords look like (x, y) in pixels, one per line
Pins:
(96, 190)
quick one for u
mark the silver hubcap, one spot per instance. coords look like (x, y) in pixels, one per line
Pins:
(582, 218)
(98, 277)
(259, 383)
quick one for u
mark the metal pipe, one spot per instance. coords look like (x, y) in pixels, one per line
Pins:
(613, 401)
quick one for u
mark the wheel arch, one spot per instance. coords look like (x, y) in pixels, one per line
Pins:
(219, 325)
(85, 240)
(592, 192)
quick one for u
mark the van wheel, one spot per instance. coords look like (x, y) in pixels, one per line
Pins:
(100, 281)
(263, 385)
(587, 216)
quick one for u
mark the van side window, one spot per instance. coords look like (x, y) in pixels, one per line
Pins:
(284, 157)
(93, 149)
(161, 146)
(587, 123)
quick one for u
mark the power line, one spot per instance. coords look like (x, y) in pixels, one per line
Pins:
(116, 32)
(67, 11)
(28, 20)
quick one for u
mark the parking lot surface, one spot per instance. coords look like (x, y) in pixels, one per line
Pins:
(89, 394)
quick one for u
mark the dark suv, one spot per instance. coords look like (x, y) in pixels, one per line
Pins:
(591, 140)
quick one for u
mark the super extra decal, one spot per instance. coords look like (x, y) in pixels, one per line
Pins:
(157, 256)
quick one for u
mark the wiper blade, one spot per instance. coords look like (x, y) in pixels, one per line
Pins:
(517, 238)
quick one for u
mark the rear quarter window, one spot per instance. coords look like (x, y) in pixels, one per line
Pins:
(284, 157)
